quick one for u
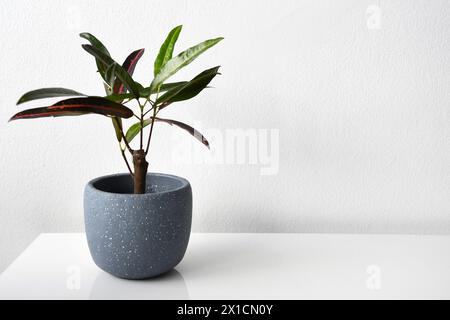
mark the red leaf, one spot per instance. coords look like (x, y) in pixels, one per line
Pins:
(75, 107)
(196, 134)
(129, 65)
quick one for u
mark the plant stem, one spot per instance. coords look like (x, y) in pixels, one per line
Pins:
(141, 135)
(126, 142)
(140, 171)
(126, 160)
(154, 107)
(148, 111)
(142, 131)
(151, 130)
(139, 161)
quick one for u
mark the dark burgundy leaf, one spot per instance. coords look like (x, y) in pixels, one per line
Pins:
(196, 134)
(77, 106)
(129, 65)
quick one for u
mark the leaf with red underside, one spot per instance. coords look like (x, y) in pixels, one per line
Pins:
(75, 107)
(129, 65)
(196, 134)
(136, 128)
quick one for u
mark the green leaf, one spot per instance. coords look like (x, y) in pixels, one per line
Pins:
(134, 130)
(117, 123)
(119, 97)
(97, 44)
(110, 75)
(75, 107)
(98, 54)
(146, 92)
(180, 61)
(103, 59)
(47, 93)
(190, 89)
(166, 50)
(170, 86)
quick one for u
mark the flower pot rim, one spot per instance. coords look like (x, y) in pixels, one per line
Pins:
(184, 183)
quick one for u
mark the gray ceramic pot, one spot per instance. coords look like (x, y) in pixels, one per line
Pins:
(137, 236)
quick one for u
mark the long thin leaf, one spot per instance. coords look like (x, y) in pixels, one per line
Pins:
(190, 89)
(110, 75)
(101, 66)
(117, 123)
(195, 133)
(48, 93)
(136, 128)
(166, 50)
(180, 61)
(102, 58)
(164, 87)
(77, 106)
(129, 65)
(95, 42)
(130, 62)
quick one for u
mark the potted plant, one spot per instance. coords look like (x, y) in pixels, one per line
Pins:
(137, 224)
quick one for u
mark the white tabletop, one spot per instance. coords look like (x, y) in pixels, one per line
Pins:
(245, 266)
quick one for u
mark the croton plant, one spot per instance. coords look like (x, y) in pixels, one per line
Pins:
(121, 89)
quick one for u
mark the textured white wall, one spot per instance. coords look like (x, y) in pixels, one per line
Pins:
(361, 105)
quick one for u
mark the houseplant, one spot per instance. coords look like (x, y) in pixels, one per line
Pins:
(138, 223)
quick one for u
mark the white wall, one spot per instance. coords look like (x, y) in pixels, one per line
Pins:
(361, 106)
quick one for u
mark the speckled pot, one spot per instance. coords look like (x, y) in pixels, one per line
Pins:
(137, 236)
